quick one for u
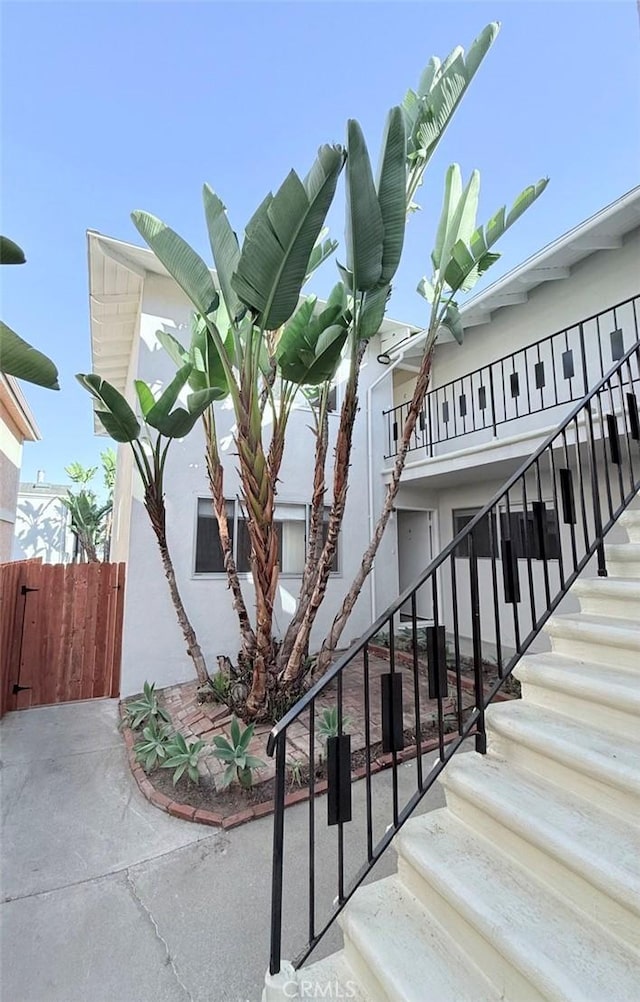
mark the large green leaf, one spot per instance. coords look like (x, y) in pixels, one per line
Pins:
(208, 371)
(280, 237)
(458, 219)
(20, 359)
(452, 321)
(180, 260)
(441, 89)
(392, 197)
(116, 416)
(470, 256)
(452, 193)
(157, 415)
(10, 253)
(145, 396)
(321, 251)
(365, 228)
(310, 344)
(176, 422)
(224, 247)
(374, 303)
(176, 351)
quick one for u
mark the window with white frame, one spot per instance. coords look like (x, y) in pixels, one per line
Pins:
(291, 520)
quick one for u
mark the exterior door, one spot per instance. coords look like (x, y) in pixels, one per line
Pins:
(415, 552)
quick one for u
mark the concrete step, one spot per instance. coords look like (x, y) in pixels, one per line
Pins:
(603, 639)
(331, 978)
(399, 953)
(529, 942)
(579, 759)
(578, 850)
(630, 520)
(592, 693)
(617, 597)
(623, 559)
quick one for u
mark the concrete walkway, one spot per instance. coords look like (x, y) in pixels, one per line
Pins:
(106, 899)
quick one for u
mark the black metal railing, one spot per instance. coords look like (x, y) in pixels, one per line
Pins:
(558, 370)
(491, 590)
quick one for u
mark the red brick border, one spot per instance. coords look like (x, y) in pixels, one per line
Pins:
(205, 817)
(465, 683)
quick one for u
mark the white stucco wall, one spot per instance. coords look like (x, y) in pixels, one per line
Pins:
(153, 647)
(600, 280)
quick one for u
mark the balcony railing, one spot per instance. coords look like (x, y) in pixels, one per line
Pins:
(557, 370)
(505, 573)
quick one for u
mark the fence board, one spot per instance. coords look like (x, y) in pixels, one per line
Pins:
(63, 641)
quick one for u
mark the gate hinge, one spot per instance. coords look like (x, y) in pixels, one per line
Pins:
(19, 688)
(25, 589)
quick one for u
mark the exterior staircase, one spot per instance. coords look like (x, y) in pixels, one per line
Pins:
(526, 886)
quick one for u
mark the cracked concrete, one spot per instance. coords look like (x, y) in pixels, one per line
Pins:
(106, 899)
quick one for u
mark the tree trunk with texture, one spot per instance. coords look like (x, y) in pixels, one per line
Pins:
(216, 484)
(417, 402)
(157, 514)
(340, 486)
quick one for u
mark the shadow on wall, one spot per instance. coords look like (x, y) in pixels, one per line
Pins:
(41, 531)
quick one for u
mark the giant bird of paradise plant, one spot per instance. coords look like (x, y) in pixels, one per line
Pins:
(257, 342)
(163, 421)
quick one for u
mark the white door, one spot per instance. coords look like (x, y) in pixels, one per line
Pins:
(415, 552)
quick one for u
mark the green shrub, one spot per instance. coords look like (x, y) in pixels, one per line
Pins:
(143, 709)
(183, 757)
(240, 765)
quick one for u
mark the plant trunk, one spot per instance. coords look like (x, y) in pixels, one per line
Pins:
(216, 483)
(340, 485)
(258, 485)
(88, 547)
(157, 515)
(316, 542)
(417, 401)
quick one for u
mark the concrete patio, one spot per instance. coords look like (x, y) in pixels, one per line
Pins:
(106, 899)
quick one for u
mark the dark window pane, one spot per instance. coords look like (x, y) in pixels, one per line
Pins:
(484, 534)
(525, 538)
(243, 552)
(208, 550)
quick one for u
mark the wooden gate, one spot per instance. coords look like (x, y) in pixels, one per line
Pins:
(60, 632)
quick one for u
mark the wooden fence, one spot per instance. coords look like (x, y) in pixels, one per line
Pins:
(60, 632)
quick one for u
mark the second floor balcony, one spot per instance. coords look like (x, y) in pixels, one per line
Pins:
(510, 395)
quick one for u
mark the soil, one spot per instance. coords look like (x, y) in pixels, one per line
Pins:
(234, 799)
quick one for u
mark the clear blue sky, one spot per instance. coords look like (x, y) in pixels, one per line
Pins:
(115, 106)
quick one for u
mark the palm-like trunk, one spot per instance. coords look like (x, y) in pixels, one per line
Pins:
(315, 542)
(340, 486)
(154, 503)
(417, 401)
(88, 547)
(258, 485)
(216, 483)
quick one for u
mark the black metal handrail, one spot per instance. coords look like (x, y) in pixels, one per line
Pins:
(557, 370)
(544, 525)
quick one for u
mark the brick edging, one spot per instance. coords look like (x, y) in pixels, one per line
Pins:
(204, 817)
(465, 683)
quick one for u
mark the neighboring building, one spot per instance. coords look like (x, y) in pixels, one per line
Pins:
(493, 400)
(17, 425)
(42, 526)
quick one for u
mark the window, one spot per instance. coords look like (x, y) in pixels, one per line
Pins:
(484, 534)
(208, 550)
(524, 533)
(291, 520)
